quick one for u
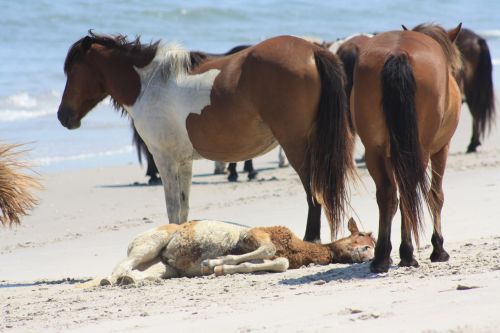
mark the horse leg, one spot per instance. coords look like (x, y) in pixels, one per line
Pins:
(144, 249)
(233, 174)
(152, 170)
(296, 154)
(406, 247)
(248, 167)
(154, 270)
(277, 265)
(220, 168)
(178, 176)
(436, 194)
(282, 162)
(381, 172)
(474, 140)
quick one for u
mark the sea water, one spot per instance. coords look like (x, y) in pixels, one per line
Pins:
(35, 37)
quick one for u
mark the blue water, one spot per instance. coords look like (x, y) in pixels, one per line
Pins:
(36, 35)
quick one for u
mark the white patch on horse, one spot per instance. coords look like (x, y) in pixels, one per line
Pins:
(335, 45)
(168, 95)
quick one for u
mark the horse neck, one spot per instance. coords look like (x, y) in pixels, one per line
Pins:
(121, 80)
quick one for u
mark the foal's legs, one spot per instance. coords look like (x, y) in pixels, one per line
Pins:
(276, 265)
(379, 167)
(438, 163)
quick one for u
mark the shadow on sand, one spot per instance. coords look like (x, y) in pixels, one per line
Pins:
(43, 282)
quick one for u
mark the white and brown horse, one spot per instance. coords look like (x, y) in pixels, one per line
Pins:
(206, 247)
(227, 109)
(405, 105)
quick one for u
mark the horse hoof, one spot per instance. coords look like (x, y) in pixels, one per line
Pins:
(104, 283)
(219, 270)
(124, 280)
(232, 178)
(380, 267)
(154, 181)
(252, 175)
(408, 263)
(440, 256)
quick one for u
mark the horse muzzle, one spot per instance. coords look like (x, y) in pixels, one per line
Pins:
(66, 116)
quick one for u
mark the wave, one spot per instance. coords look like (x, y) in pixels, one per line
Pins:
(47, 161)
(495, 62)
(489, 34)
(22, 106)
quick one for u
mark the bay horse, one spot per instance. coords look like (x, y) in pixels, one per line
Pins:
(206, 247)
(16, 187)
(476, 84)
(231, 108)
(405, 105)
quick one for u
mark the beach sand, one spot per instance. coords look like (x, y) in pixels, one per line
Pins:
(86, 219)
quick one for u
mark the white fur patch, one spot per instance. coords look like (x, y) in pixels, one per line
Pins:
(168, 95)
(335, 45)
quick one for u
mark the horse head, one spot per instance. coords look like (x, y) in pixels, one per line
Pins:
(84, 85)
(357, 247)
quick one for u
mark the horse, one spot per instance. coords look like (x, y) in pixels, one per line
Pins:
(475, 79)
(476, 84)
(405, 105)
(205, 247)
(16, 187)
(226, 109)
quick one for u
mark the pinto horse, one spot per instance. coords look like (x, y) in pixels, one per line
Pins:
(231, 108)
(405, 105)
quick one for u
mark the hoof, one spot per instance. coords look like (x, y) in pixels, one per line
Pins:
(154, 181)
(219, 270)
(440, 256)
(232, 178)
(472, 148)
(252, 175)
(104, 282)
(124, 280)
(380, 267)
(408, 263)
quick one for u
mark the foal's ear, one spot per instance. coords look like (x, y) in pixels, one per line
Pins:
(351, 225)
(404, 27)
(86, 43)
(453, 33)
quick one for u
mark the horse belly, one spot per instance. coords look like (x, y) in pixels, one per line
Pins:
(199, 241)
(229, 136)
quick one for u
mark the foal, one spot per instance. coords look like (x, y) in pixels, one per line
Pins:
(405, 105)
(204, 247)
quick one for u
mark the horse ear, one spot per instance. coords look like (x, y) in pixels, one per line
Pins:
(404, 27)
(86, 43)
(351, 225)
(453, 33)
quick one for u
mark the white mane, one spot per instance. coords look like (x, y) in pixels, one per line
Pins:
(335, 45)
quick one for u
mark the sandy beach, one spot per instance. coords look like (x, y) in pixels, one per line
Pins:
(86, 219)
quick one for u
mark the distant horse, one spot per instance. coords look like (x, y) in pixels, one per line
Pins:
(476, 83)
(475, 79)
(406, 104)
(206, 247)
(226, 109)
(16, 197)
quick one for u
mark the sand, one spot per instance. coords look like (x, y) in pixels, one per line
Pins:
(87, 217)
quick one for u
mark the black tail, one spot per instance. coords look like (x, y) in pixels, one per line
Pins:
(398, 103)
(349, 58)
(331, 144)
(479, 92)
(142, 149)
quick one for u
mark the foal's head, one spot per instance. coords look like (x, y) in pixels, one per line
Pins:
(358, 247)
(88, 64)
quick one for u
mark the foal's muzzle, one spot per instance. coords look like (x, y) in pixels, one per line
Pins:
(66, 116)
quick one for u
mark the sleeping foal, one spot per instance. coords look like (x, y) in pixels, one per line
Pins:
(204, 247)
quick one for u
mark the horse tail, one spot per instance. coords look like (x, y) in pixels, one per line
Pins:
(349, 58)
(479, 92)
(16, 197)
(331, 145)
(398, 104)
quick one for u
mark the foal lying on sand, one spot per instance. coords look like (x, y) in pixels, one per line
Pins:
(204, 247)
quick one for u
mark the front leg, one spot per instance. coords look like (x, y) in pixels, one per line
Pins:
(176, 176)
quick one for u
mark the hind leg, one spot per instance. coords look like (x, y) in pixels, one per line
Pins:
(282, 161)
(248, 167)
(276, 265)
(233, 174)
(474, 140)
(379, 168)
(154, 270)
(436, 197)
(406, 247)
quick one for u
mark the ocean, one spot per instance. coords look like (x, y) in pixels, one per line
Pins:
(37, 34)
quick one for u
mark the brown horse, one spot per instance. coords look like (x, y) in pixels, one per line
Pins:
(228, 109)
(405, 103)
(476, 83)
